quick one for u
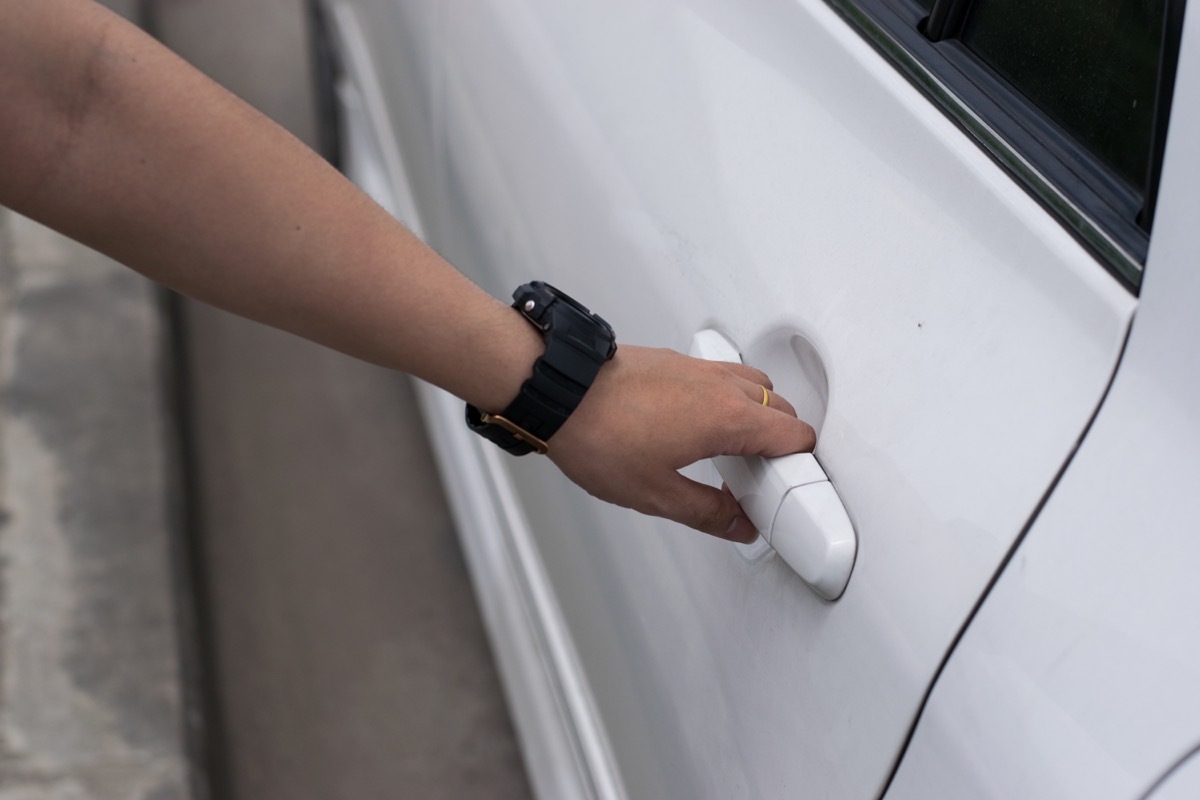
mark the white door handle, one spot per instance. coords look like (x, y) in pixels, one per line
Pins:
(789, 499)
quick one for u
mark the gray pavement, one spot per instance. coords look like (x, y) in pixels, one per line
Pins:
(349, 657)
(93, 700)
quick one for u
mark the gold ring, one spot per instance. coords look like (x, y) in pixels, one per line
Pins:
(766, 394)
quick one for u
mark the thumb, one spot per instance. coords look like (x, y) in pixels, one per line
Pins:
(712, 511)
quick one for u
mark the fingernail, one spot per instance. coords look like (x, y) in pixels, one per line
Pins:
(741, 530)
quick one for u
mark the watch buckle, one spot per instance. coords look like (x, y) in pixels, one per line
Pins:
(516, 430)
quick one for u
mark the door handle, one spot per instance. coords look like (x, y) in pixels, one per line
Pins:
(789, 499)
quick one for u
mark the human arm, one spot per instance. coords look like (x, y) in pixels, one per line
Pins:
(113, 140)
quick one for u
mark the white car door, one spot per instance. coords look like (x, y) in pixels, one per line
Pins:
(761, 170)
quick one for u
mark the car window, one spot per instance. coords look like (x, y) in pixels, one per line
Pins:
(1071, 96)
(1091, 67)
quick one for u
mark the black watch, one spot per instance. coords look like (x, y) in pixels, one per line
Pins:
(577, 344)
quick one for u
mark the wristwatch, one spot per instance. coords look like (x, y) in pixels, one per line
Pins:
(578, 343)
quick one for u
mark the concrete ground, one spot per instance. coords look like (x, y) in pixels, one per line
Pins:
(93, 700)
(349, 656)
(291, 617)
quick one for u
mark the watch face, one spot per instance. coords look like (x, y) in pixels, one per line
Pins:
(563, 296)
(543, 295)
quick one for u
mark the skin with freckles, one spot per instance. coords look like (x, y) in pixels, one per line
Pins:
(113, 140)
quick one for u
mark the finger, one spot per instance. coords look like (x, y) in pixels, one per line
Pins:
(712, 511)
(749, 373)
(777, 402)
(772, 434)
(759, 392)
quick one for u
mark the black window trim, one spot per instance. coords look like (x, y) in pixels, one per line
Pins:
(1165, 95)
(1097, 208)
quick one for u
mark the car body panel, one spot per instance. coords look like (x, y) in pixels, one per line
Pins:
(758, 169)
(1078, 676)
(1182, 782)
(564, 747)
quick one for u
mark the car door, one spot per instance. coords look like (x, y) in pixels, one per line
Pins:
(767, 172)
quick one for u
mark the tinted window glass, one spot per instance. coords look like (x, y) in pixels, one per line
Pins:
(1091, 65)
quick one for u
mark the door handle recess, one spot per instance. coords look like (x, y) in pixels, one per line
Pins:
(789, 499)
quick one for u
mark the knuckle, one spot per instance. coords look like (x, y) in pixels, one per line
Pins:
(711, 515)
(716, 370)
(732, 426)
(659, 501)
(732, 407)
(757, 376)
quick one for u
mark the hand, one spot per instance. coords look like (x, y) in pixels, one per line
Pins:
(651, 412)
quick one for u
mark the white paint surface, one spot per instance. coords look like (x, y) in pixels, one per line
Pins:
(759, 169)
(1078, 677)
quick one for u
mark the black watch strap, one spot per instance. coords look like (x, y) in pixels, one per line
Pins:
(577, 345)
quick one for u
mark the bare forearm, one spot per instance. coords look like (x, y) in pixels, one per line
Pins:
(111, 139)
(115, 141)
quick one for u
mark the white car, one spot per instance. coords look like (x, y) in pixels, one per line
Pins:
(962, 238)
